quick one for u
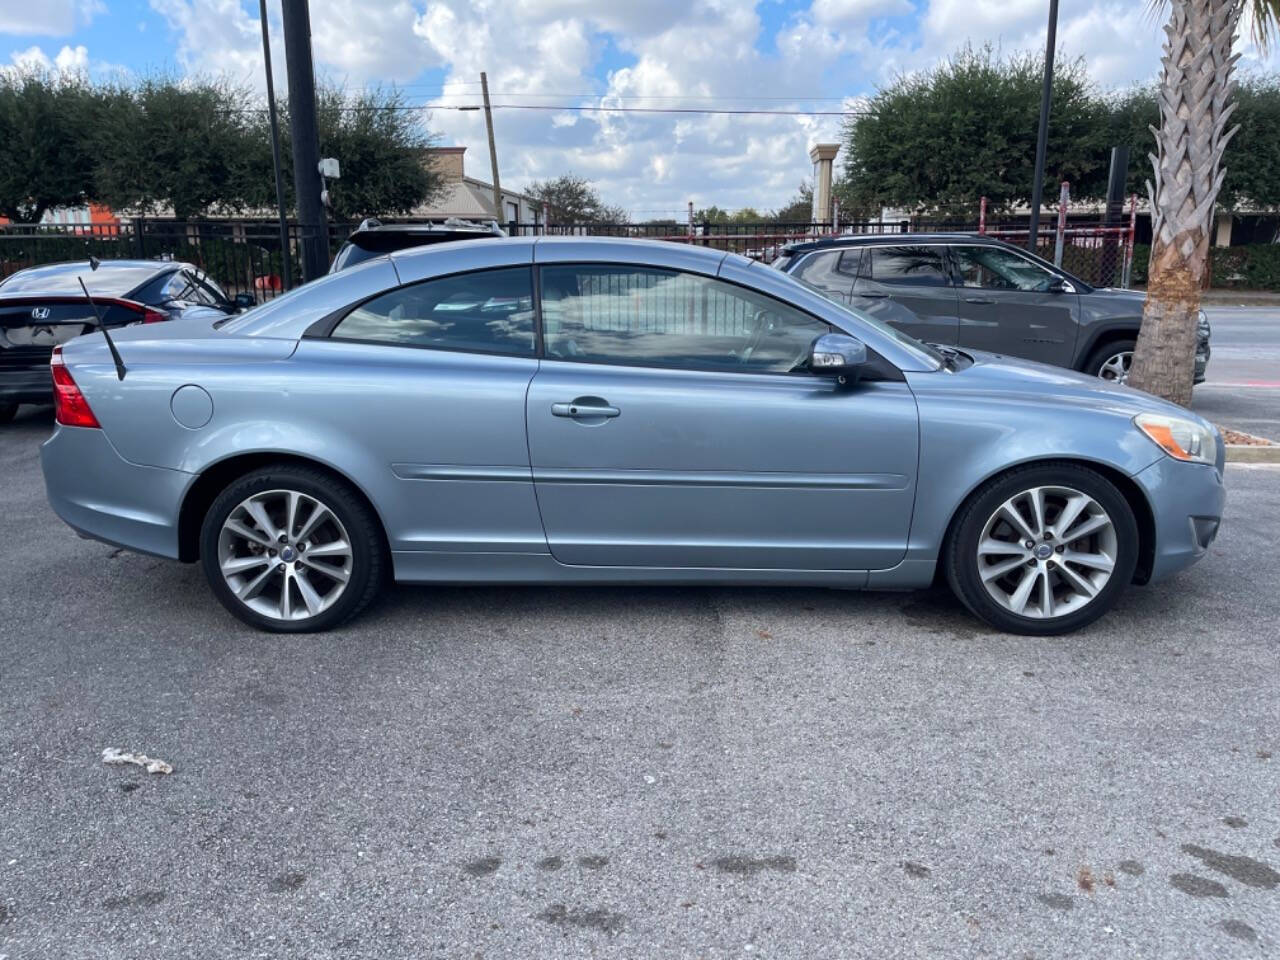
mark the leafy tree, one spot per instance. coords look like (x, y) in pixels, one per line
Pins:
(189, 147)
(381, 145)
(1253, 156)
(1133, 113)
(1196, 104)
(714, 214)
(938, 140)
(201, 147)
(799, 208)
(573, 199)
(45, 157)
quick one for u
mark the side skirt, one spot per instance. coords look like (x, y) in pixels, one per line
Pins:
(422, 566)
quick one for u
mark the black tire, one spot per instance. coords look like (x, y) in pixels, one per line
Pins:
(368, 554)
(960, 552)
(7, 412)
(1100, 355)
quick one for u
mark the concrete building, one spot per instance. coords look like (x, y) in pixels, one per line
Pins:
(471, 198)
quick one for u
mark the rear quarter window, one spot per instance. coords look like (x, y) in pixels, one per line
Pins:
(488, 311)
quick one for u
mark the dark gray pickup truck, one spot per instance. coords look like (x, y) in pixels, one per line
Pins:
(969, 291)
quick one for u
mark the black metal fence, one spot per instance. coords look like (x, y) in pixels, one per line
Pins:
(1094, 250)
(246, 256)
(243, 256)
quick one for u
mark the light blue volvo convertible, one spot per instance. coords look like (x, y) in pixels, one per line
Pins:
(602, 411)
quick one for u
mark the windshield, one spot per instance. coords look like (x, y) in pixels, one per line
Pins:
(906, 340)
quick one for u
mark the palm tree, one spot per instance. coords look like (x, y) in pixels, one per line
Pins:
(1195, 95)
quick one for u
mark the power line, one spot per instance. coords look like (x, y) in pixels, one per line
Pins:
(701, 110)
(596, 108)
(441, 90)
(593, 108)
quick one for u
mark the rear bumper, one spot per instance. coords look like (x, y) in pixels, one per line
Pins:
(26, 385)
(101, 495)
(1187, 500)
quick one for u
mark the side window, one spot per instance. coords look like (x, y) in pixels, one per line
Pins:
(664, 318)
(490, 311)
(832, 272)
(994, 269)
(919, 266)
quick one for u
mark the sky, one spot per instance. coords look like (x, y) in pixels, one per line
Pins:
(780, 55)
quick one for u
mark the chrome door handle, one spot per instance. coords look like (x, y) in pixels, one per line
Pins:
(978, 300)
(581, 410)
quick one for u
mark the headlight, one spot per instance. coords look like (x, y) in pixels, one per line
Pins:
(1180, 439)
(1202, 325)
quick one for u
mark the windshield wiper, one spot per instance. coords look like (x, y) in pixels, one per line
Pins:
(949, 355)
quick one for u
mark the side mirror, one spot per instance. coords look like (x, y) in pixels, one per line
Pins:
(245, 301)
(1057, 285)
(838, 355)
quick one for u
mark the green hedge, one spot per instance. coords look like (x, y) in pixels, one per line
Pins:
(1252, 267)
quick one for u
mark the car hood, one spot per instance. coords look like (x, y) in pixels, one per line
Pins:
(1018, 380)
(1127, 301)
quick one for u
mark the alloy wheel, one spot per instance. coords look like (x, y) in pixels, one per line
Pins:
(1047, 552)
(1116, 367)
(285, 555)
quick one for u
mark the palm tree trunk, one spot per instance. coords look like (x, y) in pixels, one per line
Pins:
(1195, 90)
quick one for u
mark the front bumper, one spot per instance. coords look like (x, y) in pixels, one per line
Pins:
(1187, 500)
(103, 496)
(1202, 360)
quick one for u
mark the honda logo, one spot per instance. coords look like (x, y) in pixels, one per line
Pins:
(40, 313)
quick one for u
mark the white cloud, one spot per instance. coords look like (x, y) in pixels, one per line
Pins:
(216, 37)
(714, 53)
(49, 18)
(67, 60)
(845, 13)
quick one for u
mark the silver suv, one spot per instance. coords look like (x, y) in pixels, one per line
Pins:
(969, 291)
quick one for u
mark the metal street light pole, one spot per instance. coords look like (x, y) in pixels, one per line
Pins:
(1042, 138)
(285, 257)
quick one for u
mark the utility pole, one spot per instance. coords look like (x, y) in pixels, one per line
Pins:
(1042, 138)
(493, 151)
(286, 259)
(306, 137)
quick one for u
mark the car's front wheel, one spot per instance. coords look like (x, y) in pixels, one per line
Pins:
(1112, 361)
(291, 549)
(1042, 549)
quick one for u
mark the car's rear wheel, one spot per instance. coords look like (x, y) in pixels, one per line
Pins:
(1112, 361)
(8, 411)
(1043, 549)
(292, 550)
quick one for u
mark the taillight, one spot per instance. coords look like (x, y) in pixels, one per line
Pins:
(145, 313)
(70, 408)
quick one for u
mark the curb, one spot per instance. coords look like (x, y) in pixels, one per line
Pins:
(1250, 453)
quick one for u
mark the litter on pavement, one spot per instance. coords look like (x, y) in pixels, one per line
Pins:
(150, 764)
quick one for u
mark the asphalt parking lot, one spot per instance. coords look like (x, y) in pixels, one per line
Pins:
(540, 772)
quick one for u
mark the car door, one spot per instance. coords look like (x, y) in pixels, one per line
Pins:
(1011, 304)
(673, 424)
(432, 377)
(909, 287)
